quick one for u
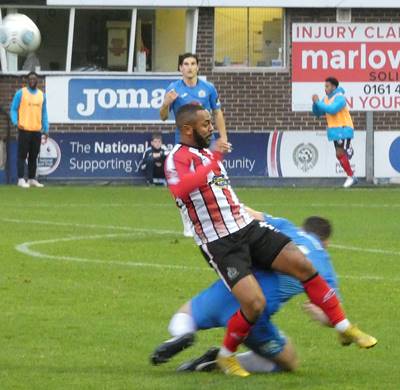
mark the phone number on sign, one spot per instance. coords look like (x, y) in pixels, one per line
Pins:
(382, 89)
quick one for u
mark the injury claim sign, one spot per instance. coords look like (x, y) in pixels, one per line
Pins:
(364, 57)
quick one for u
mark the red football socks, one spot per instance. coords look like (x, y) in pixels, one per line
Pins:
(237, 330)
(345, 163)
(324, 297)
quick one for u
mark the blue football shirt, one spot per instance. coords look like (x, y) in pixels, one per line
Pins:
(203, 93)
(214, 306)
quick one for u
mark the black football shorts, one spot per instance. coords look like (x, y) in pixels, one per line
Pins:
(233, 256)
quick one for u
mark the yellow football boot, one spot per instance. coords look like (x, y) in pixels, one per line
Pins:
(354, 335)
(231, 366)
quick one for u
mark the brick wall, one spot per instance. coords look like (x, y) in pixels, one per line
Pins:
(255, 101)
(262, 101)
(10, 84)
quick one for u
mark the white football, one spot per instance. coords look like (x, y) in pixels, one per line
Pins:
(19, 34)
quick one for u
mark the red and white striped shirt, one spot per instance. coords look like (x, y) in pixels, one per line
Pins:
(199, 182)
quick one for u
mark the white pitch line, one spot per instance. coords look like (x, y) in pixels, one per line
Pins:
(85, 205)
(167, 204)
(368, 250)
(164, 231)
(85, 225)
(335, 205)
(25, 248)
(363, 205)
(370, 277)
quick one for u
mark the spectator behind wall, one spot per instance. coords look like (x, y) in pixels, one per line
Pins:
(152, 163)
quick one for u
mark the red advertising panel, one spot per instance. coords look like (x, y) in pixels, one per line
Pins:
(365, 58)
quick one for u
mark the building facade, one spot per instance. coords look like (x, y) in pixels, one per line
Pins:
(245, 51)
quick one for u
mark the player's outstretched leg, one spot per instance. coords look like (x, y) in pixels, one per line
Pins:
(250, 360)
(252, 303)
(237, 330)
(354, 335)
(292, 262)
(205, 363)
(182, 329)
(165, 351)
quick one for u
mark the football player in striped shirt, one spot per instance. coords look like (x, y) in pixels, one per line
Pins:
(191, 89)
(270, 349)
(231, 240)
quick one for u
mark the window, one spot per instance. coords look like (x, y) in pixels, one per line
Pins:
(249, 37)
(160, 38)
(101, 40)
(53, 27)
(2, 51)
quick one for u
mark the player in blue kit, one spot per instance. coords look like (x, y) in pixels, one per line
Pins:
(270, 350)
(191, 89)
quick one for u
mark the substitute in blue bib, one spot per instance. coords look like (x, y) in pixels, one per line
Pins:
(340, 125)
(192, 90)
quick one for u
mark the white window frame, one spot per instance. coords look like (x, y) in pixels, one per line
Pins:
(260, 69)
(192, 25)
(70, 43)
(5, 64)
(190, 42)
(3, 56)
(132, 39)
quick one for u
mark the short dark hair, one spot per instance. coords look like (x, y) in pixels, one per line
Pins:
(182, 57)
(319, 226)
(31, 73)
(334, 81)
(156, 135)
(186, 115)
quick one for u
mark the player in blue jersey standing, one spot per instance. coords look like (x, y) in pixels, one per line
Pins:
(270, 350)
(191, 89)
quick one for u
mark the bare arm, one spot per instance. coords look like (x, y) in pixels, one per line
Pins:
(220, 124)
(316, 314)
(170, 97)
(164, 112)
(258, 215)
(287, 359)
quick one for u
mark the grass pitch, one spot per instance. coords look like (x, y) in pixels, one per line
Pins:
(91, 275)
